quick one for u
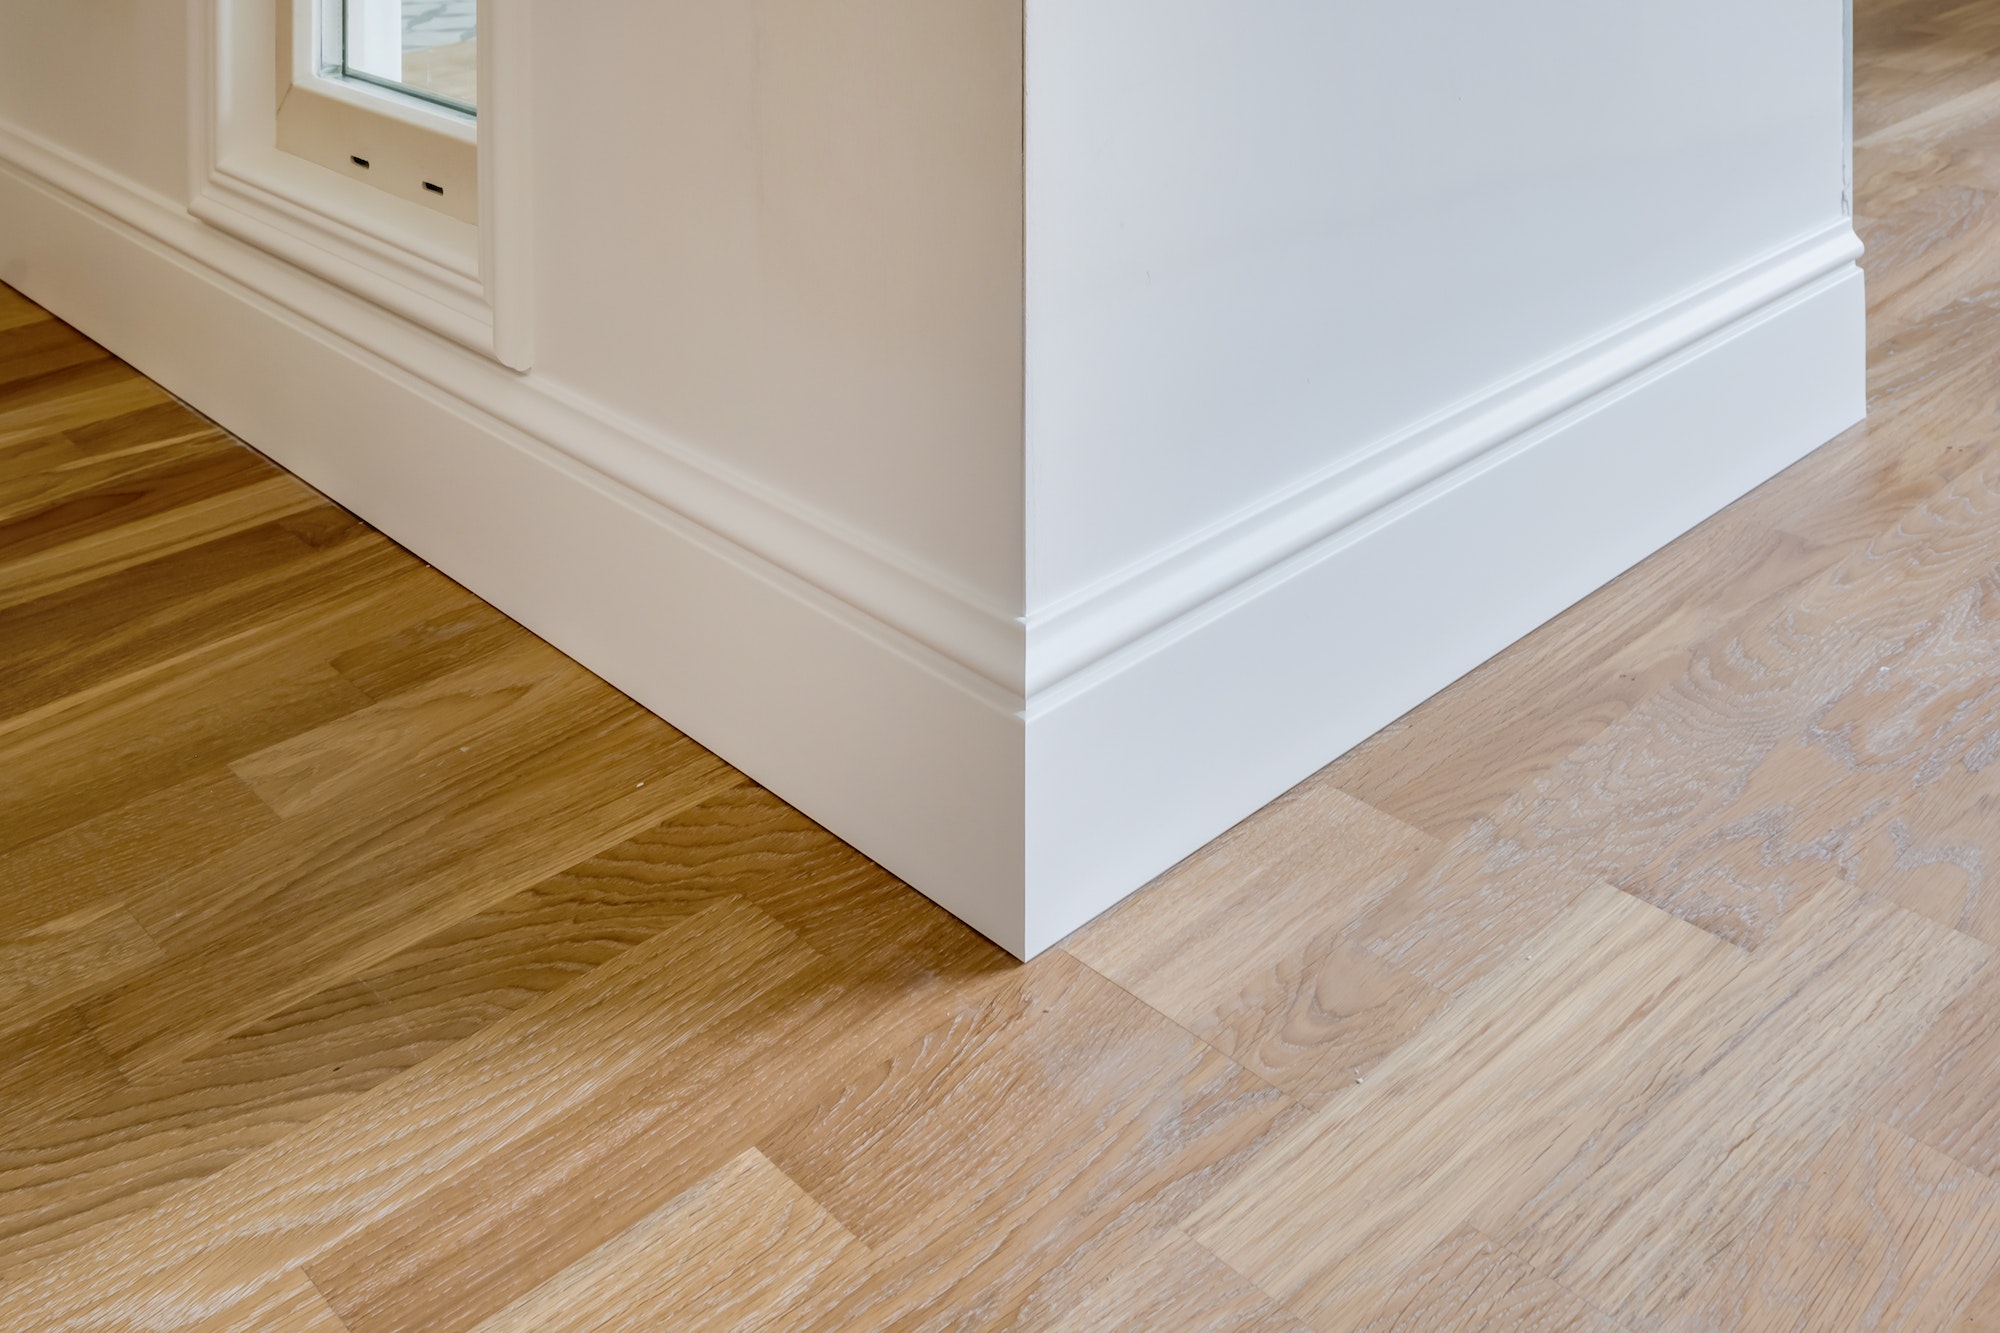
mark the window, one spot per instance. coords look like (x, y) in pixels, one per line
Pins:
(364, 163)
(426, 49)
(385, 92)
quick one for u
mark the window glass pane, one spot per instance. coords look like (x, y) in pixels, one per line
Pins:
(426, 47)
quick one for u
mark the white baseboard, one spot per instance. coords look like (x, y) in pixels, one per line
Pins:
(911, 758)
(1177, 738)
(880, 698)
(1094, 624)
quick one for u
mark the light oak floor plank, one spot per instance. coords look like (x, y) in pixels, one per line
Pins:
(1467, 1283)
(62, 962)
(735, 1254)
(1248, 947)
(59, 566)
(127, 1146)
(1881, 1232)
(1171, 1283)
(115, 855)
(51, 1066)
(1945, 1092)
(65, 644)
(475, 1240)
(293, 1304)
(1691, 1163)
(1485, 1095)
(272, 1212)
(60, 489)
(69, 400)
(1000, 1162)
(39, 347)
(1982, 1312)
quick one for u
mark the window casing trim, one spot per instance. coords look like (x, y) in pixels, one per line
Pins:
(469, 283)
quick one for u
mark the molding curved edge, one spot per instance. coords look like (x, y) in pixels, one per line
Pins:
(1020, 663)
(913, 760)
(1086, 630)
(978, 645)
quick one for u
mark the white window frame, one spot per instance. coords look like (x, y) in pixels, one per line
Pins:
(319, 28)
(366, 132)
(467, 282)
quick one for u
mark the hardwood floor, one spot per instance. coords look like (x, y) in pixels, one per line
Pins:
(366, 965)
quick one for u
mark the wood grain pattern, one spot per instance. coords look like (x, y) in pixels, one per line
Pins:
(1000, 1154)
(59, 557)
(272, 1212)
(472, 1242)
(111, 856)
(1982, 1312)
(64, 961)
(54, 487)
(60, 646)
(1911, 56)
(1880, 1233)
(351, 903)
(1787, 741)
(1483, 1098)
(1173, 1283)
(735, 1254)
(1520, 714)
(1946, 1092)
(1467, 1283)
(129, 1145)
(16, 310)
(1741, 1103)
(292, 1304)
(51, 1066)
(38, 347)
(71, 400)
(1248, 951)
(366, 966)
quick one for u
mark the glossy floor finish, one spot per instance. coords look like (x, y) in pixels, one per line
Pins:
(366, 965)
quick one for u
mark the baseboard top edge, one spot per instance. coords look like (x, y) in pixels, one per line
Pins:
(1005, 656)
(1078, 632)
(953, 626)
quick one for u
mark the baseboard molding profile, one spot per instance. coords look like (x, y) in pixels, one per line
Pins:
(1156, 750)
(934, 615)
(1025, 771)
(1086, 628)
(908, 755)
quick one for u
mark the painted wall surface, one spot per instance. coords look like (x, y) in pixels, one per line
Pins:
(107, 78)
(1265, 237)
(784, 233)
(788, 232)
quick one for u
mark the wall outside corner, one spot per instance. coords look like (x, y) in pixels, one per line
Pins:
(1193, 729)
(881, 347)
(1338, 319)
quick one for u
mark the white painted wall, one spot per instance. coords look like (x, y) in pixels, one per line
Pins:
(784, 232)
(107, 78)
(789, 233)
(1266, 237)
(1028, 434)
